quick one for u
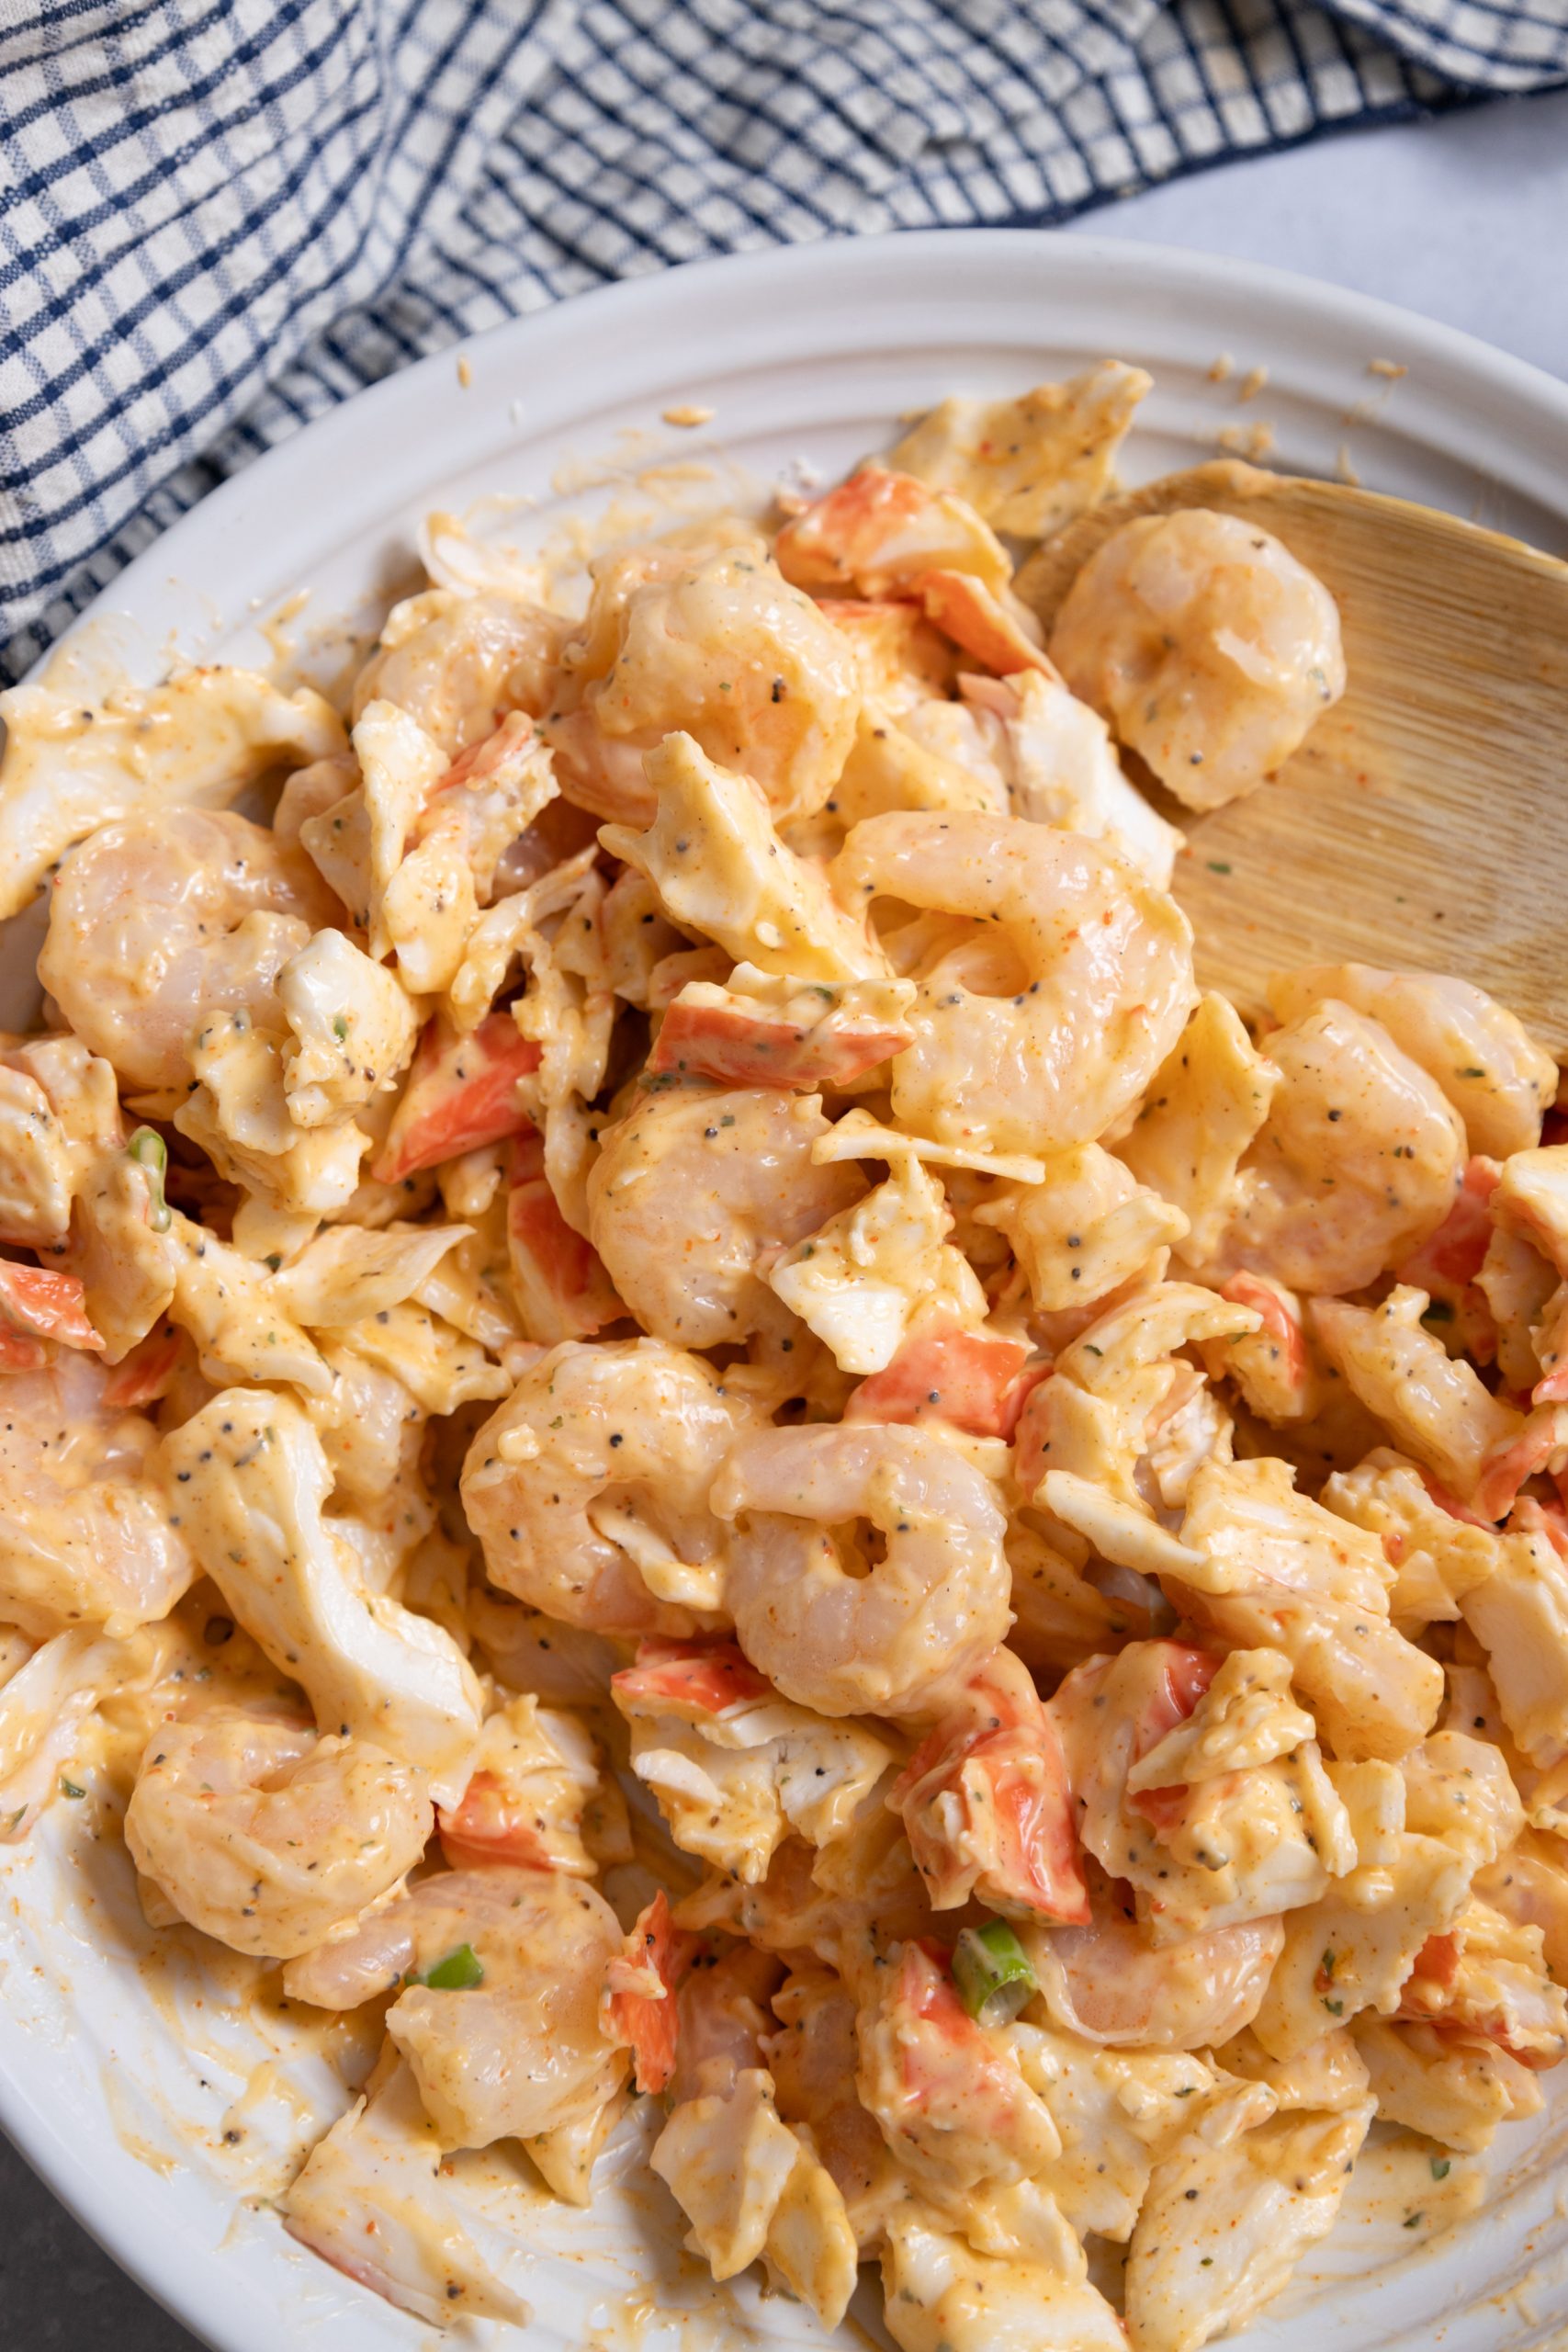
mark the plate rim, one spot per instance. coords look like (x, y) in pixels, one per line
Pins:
(1538, 395)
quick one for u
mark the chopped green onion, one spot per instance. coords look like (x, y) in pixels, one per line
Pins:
(1440, 2167)
(149, 1151)
(456, 1972)
(69, 1789)
(992, 1973)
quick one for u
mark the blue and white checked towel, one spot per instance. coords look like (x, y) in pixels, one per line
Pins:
(218, 217)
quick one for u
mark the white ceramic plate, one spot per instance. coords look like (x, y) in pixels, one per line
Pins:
(120, 2061)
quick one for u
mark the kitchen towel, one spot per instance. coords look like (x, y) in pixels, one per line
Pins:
(218, 217)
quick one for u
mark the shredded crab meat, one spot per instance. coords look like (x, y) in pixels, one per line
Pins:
(681, 1420)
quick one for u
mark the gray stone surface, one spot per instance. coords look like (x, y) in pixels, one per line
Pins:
(59, 2291)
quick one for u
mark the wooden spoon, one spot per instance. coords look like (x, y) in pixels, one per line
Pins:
(1423, 823)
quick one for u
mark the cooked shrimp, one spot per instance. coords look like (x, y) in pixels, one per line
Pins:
(986, 1803)
(1112, 1983)
(887, 1638)
(458, 664)
(204, 735)
(1479, 1055)
(1102, 985)
(691, 1187)
(157, 921)
(267, 1837)
(513, 2052)
(720, 648)
(84, 1537)
(1358, 1161)
(1209, 648)
(588, 1488)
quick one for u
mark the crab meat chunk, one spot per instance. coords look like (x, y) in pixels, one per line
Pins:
(1420, 1835)
(1090, 1228)
(1028, 465)
(735, 1767)
(720, 869)
(1280, 1571)
(880, 1269)
(765, 1029)
(1199, 1782)
(1438, 1559)
(1224, 2225)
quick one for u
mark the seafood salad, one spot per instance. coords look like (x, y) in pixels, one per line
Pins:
(680, 1417)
